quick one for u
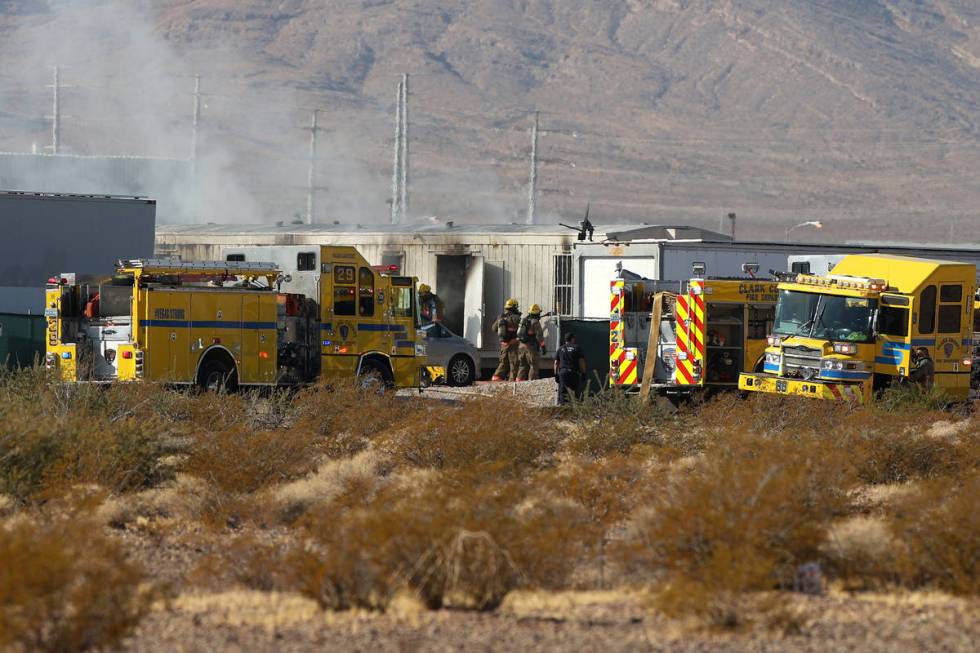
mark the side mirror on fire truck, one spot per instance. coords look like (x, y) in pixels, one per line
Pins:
(699, 268)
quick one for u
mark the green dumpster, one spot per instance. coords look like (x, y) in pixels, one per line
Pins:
(592, 336)
(21, 339)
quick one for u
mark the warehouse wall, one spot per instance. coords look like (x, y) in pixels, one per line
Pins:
(44, 235)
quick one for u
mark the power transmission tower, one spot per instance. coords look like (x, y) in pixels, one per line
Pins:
(533, 180)
(396, 172)
(399, 175)
(311, 184)
(404, 176)
(55, 116)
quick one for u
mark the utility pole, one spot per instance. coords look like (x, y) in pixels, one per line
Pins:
(311, 187)
(195, 126)
(55, 116)
(533, 180)
(404, 150)
(396, 171)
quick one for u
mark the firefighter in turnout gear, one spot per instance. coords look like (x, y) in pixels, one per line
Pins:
(430, 306)
(530, 338)
(506, 327)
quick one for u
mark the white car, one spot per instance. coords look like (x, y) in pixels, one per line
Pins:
(456, 355)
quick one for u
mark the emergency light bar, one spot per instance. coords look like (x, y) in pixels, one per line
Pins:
(842, 281)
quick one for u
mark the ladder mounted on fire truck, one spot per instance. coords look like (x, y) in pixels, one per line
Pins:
(150, 267)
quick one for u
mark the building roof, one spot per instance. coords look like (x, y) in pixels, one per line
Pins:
(440, 228)
(31, 195)
(666, 232)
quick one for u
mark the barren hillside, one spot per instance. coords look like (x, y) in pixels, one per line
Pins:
(863, 115)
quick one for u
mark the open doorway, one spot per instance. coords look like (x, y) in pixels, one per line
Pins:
(451, 288)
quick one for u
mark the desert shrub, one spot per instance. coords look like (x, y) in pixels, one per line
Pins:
(612, 421)
(237, 462)
(912, 396)
(480, 432)
(862, 553)
(247, 560)
(456, 539)
(240, 460)
(358, 476)
(65, 587)
(46, 455)
(209, 412)
(774, 415)
(939, 530)
(899, 455)
(347, 416)
(740, 521)
(607, 489)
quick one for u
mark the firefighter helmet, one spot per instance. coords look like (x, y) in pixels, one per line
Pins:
(534, 310)
(510, 303)
(424, 288)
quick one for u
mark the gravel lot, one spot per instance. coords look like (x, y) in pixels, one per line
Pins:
(542, 392)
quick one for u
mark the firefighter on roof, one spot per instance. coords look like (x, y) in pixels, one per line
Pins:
(530, 337)
(506, 327)
(430, 306)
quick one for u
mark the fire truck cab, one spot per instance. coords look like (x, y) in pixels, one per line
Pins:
(876, 320)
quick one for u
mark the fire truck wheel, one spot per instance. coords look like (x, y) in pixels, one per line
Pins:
(217, 376)
(460, 371)
(374, 372)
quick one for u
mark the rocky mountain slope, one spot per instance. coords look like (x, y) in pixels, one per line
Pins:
(861, 114)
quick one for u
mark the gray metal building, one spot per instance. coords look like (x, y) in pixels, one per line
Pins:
(45, 234)
(668, 252)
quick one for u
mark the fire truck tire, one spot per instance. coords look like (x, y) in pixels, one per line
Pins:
(216, 375)
(460, 371)
(374, 371)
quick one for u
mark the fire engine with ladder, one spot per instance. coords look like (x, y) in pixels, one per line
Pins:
(226, 323)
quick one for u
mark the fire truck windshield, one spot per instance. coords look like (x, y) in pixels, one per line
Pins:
(828, 317)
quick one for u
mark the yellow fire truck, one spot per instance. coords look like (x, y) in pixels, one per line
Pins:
(874, 321)
(710, 330)
(226, 323)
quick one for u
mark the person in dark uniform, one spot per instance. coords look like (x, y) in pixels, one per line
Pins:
(569, 369)
(923, 368)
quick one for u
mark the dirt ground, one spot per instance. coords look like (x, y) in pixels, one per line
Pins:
(233, 618)
(593, 621)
